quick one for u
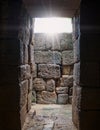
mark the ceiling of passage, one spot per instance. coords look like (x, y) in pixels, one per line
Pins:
(45, 8)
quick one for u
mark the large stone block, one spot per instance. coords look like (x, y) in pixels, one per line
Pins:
(67, 57)
(41, 42)
(66, 42)
(62, 98)
(76, 27)
(50, 86)
(46, 97)
(57, 42)
(24, 54)
(77, 50)
(62, 90)
(39, 84)
(67, 69)
(76, 105)
(29, 101)
(47, 57)
(66, 81)
(76, 73)
(31, 53)
(49, 71)
(34, 70)
(25, 72)
(23, 92)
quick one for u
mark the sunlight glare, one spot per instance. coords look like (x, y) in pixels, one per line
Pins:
(53, 25)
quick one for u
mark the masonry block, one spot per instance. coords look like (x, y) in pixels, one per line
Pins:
(62, 99)
(67, 70)
(46, 97)
(23, 93)
(39, 84)
(49, 71)
(76, 50)
(76, 73)
(76, 105)
(25, 72)
(67, 57)
(44, 57)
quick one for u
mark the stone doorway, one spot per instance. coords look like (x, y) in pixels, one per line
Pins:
(52, 83)
(53, 62)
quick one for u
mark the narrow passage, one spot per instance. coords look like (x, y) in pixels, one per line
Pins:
(49, 117)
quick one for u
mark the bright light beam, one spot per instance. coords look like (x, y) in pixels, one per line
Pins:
(53, 25)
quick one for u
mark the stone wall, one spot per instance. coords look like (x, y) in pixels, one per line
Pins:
(53, 79)
(15, 64)
(86, 91)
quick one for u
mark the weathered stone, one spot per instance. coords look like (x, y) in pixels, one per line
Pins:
(62, 98)
(25, 72)
(66, 42)
(76, 50)
(76, 73)
(24, 54)
(41, 42)
(57, 42)
(76, 104)
(67, 57)
(29, 101)
(62, 90)
(31, 53)
(67, 81)
(67, 69)
(49, 71)
(23, 93)
(39, 84)
(50, 86)
(50, 57)
(34, 70)
(46, 97)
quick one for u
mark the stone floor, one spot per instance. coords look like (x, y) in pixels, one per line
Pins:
(49, 117)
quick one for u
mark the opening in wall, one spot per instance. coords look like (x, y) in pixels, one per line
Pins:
(53, 25)
(53, 59)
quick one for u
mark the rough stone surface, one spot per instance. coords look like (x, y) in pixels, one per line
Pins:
(49, 117)
(25, 72)
(62, 90)
(46, 97)
(39, 84)
(66, 81)
(47, 57)
(62, 98)
(67, 70)
(48, 71)
(34, 70)
(67, 57)
(23, 92)
(50, 86)
(53, 56)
